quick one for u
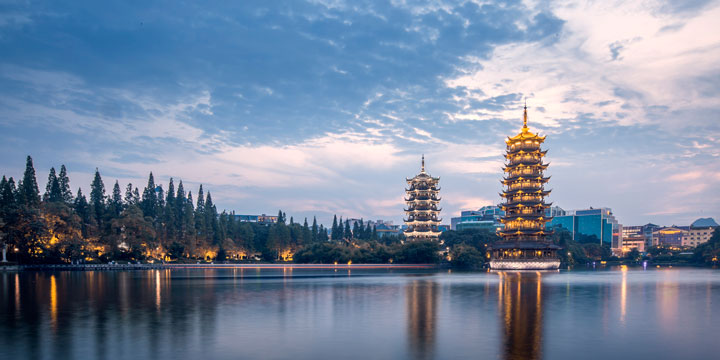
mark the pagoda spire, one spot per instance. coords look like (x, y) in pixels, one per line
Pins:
(525, 116)
(423, 163)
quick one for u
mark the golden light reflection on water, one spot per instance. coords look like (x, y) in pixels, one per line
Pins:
(520, 303)
(158, 295)
(422, 299)
(623, 295)
(53, 301)
(17, 295)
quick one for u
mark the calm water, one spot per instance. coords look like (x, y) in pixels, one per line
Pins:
(321, 314)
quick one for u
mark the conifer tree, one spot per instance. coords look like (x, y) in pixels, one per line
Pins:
(82, 209)
(314, 236)
(28, 191)
(64, 183)
(97, 197)
(149, 198)
(116, 202)
(368, 231)
(211, 220)
(200, 223)
(348, 232)
(52, 188)
(334, 230)
(280, 217)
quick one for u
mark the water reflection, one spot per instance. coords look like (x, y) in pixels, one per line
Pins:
(285, 313)
(421, 298)
(520, 307)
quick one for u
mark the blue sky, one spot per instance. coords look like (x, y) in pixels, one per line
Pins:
(324, 107)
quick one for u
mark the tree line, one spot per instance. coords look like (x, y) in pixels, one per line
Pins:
(152, 223)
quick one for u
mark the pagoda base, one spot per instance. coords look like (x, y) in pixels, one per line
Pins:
(525, 264)
(524, 255)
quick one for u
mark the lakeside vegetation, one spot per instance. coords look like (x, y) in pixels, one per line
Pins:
(168, 225)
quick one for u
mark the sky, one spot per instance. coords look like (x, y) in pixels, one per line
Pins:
(324, 107)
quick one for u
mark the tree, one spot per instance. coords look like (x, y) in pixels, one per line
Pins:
(115, 205)
(149, 198)
(82, 209)
(348, 233)
(334, 231)
(137, 233)
(64, 184)
(314, 230)
(97, 198)
(52, 189)
(28, 190)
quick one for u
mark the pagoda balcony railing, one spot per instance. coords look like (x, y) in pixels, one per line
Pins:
(524, 146)
(523, 226)
(420, 207)
(524, 172)
(525, 159)
(422, 220)
(525, 185)
(422, 198)
(524, 198)
(527, 211)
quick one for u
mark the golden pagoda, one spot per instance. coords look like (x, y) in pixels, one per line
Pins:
(422, 206)
(524, 244)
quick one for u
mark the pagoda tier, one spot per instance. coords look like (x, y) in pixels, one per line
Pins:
(524, 244)
(422, 211)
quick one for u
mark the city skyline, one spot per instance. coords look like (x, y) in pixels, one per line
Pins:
(335, 114)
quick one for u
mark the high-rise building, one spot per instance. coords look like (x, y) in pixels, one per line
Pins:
(524, 244)
(593, 224)
(487, 217)
(631, 235)
(422, 206)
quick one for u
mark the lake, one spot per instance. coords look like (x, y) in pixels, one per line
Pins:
(665, 313)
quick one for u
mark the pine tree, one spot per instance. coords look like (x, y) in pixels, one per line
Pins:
(97, 198)
(129, 195)
(82, 209)
(52, 188)
(280, 217)
(211, 220)
(306, 234)
(334, 231)
(200, 223)
(28, 190)
(64, 183)
(368, 231)
(291, 221)
(149, 198)
(314, 236)
(116, 203)
(348, 232)
(170, 213)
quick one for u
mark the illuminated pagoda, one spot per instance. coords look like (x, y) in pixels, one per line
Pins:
(422, 206)
(524, 244)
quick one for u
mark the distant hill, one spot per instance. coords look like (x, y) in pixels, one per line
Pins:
(703, 222)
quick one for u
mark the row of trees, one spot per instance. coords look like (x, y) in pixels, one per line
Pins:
(152, 223)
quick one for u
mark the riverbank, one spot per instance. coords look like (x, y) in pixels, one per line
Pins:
(126, 267)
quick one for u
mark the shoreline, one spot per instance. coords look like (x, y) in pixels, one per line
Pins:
(123, 267)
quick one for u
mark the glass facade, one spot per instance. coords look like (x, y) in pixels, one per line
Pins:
(599, 223)
(487, 217)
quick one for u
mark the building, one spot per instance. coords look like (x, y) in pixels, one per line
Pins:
(593, 224)
(422, 206)
(260, 219)
(524, 244)
(631, 234)
(671, 236)
(697, 235)
(385, 228)
(487, 217)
